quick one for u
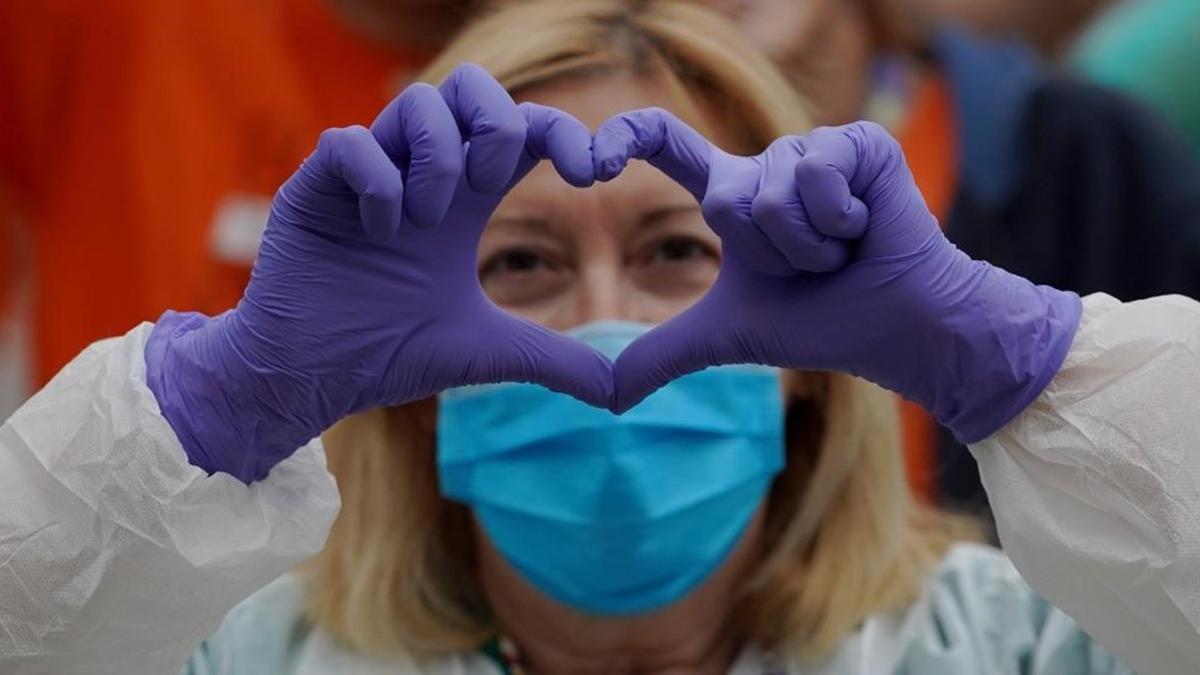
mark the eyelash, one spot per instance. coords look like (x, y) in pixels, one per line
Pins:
(493, 263)
(655, 247)
(647, 254)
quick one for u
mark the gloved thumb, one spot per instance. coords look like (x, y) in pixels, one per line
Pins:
(516, 350)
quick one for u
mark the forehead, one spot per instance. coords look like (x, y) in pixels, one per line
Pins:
(594, 99)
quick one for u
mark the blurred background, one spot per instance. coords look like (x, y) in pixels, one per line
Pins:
(141, 142)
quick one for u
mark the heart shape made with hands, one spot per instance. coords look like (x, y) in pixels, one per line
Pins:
(365, 291)
(367, 273)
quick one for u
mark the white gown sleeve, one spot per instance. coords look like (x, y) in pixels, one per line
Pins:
(116, 555)
(1096, 486)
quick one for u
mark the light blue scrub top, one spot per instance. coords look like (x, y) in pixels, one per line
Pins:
(976, 615)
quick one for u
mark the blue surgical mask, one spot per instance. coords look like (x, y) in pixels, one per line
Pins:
(611, 514)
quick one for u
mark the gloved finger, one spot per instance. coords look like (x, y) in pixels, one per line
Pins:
(516, 350)
(659, 137)
(419, 134)
(691, 341)
(353, 155)
(784, 219)
(557, 136)
(727, 209)
(822, 175)
(489, 122)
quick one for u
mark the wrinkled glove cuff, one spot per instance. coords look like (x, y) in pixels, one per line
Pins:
(1014, 342)
(202, 389)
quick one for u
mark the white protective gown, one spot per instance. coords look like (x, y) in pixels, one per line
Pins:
(117, 557)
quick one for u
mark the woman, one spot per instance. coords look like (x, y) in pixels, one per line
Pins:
(156, 482)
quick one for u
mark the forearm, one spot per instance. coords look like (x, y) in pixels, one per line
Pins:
(1096, 485)
(119, 555)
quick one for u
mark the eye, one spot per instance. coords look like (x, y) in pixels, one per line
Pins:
(519, 276)
(676, 268)
(513, 261)
(677, 249)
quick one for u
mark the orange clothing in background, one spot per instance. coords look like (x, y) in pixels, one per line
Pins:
(929, 137)
(10, 265)
(127, 125)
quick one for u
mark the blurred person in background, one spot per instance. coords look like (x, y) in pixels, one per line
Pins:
(1051, 27)
(1151, 50)
(1146, 48)
(1061, 181)
(140, 143)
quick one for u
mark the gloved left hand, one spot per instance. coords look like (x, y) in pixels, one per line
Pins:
(365, 292)
(833, 262)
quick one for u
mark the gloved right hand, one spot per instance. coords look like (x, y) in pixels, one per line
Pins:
(832, 262)
(365, 292)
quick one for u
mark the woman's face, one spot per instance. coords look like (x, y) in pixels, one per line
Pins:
(634, 249)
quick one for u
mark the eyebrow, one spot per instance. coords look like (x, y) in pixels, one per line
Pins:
(550, 227)
(538, 225)
(660, 215)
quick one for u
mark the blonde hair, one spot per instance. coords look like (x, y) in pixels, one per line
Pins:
(843, 539)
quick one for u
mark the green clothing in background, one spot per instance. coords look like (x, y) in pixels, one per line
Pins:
(1150, 49)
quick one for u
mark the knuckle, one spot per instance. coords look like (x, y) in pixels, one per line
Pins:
(874, 134)
(469, 70)
(531, 112)
(822, 134)
(356, 136)
(810, 166)
(870, 128)
(329, 147)
(657, 112)
(357, 131)
(420, 98)
(330, 137)
(790, 142)
(386, 191)
(418, 90)
(722, 205)
(648, 120)
(649, 113)
(768, 205)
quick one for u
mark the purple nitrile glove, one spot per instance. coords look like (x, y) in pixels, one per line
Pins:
(365, 292)
(833, 262)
